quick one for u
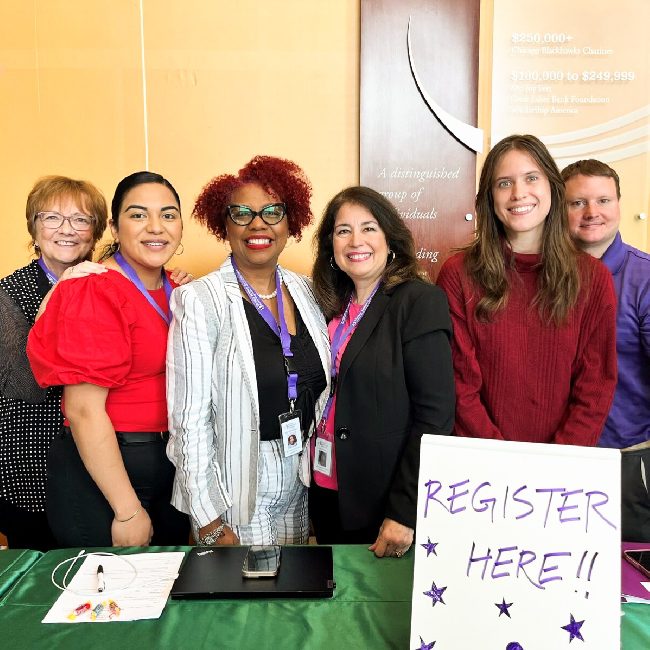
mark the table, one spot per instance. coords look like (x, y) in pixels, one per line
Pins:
(371, 609)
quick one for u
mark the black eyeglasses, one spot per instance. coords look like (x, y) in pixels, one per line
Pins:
(270, 214)
(53, 220)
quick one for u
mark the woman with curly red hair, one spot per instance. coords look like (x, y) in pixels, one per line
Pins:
(247, 366)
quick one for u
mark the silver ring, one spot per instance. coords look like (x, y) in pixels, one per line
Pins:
(398, 553)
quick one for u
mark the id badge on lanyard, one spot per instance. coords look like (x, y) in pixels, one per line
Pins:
(323, 456)
(291, 432)
(324, 445)
(290, 429)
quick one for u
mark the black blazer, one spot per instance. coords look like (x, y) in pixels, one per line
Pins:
(395, 383)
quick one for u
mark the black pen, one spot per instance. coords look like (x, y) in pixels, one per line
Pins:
(100, 578)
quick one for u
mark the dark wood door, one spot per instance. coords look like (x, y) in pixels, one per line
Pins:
(419, 89)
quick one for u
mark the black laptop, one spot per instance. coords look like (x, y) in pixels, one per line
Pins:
(216, 572)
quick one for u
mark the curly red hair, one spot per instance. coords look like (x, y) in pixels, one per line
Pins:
(280, 178)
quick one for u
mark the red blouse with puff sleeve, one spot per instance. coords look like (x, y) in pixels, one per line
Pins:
(101, 330)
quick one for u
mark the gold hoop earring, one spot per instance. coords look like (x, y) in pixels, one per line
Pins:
(392, 259)
(333, 264)
(182, 249)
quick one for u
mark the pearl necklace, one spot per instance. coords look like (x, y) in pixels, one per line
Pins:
(268, 296)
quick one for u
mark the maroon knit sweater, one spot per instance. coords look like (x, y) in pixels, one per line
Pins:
(518, 378)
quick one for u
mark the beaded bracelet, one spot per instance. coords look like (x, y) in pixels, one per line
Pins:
(121, 521)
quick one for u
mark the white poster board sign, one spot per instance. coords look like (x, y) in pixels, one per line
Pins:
(517, 546)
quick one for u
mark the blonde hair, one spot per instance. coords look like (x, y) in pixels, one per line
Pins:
(50, 188)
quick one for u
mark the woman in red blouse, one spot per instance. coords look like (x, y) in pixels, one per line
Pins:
(104, 338)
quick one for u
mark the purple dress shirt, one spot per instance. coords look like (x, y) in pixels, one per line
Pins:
(629, 419)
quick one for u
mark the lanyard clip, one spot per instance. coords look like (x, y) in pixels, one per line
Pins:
(292, 404)
(289, 366)
(292, 381)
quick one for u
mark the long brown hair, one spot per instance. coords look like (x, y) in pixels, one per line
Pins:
(485, 262)
(332, 286)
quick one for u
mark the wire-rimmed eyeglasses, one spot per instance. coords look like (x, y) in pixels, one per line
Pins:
(53, 220)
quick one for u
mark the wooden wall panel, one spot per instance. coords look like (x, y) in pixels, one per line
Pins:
(405, 150)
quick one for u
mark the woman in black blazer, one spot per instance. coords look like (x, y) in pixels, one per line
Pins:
(390, 332)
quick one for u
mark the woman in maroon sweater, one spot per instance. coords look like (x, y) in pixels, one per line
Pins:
(534, 344)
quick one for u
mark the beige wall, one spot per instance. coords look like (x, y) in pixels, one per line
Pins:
(224, 81)
(624, 34)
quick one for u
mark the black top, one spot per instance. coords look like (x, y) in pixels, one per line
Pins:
(16, 377)
(26, 429)
(272, 377)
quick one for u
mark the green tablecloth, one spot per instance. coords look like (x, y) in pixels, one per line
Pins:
(635, 627)
(371, 609)
(13, 565)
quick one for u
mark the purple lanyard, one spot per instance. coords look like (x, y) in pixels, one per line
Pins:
(281, 330)
(50, 276)
(341, 335)
(133, 276)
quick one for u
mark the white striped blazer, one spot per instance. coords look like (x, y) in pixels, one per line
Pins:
(212, 395)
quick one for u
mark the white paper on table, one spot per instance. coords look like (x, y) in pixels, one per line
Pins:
(140, 588)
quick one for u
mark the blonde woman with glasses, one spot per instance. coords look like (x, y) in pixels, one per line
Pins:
(65, 219)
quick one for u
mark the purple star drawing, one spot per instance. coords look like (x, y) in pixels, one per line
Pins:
(430, 547)
(513, 645)
(435, 594)
(425, 646)
(573, 628)
(503, 607)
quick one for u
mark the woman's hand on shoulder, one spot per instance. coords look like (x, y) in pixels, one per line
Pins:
(394, 539)
(181, 277)
(136, 531)
(82, 269)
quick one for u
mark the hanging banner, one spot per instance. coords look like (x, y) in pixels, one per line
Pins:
(581, 83)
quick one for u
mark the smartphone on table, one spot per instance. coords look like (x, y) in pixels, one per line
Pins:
(639, 559)
(262, 562)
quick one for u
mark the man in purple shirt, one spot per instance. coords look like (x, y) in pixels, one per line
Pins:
(593, 193)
